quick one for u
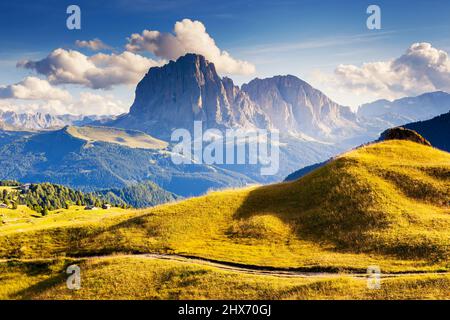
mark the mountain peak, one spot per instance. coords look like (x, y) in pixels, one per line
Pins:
(293, 103)
(187, 90)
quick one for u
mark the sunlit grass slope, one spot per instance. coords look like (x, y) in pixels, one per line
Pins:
(141, 278)
(128, 138)
(385, 204)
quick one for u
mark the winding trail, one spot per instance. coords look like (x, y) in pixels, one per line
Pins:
(304, 272)
(273, 271)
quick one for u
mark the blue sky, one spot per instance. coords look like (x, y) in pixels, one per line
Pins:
(309, 39)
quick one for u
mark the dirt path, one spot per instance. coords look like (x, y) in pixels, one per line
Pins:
(251, 269)
(269, 271)
(277, 272)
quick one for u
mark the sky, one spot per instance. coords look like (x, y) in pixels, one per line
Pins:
(46, 67)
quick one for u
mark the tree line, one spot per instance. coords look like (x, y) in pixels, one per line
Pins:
(45, 197)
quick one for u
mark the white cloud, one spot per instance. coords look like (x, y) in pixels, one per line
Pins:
(100, 71)
(188, 37)
(422, 68)
(87, 103)
(91, 103)
(32, 88)
(95, 44)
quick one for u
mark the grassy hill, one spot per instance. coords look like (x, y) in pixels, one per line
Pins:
(141, 278)
(128, 138)
(385, 204)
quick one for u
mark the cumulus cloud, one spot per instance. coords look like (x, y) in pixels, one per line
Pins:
(87, 103)
(91, 103)
(188, 37)
(100, 71)
(94, 45)
(422, 68)
(32, 88)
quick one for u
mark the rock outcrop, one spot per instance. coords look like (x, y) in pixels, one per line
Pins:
(401, 133)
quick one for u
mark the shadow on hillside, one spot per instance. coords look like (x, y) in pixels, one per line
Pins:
(110, 239)
(282, 202)
(39, 288)
(337, 221)
(314, 212)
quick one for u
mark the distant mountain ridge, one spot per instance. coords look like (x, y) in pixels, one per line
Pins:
(10, 120)
(406, 110)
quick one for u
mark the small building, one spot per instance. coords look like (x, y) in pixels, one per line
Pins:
(3, 206)
(106, 206)
(90, 207)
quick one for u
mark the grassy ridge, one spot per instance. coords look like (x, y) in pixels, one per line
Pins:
(384, 204)
(128, 138)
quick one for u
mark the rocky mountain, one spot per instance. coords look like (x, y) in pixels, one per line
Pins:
(405, 110)
(10, 120)
(293, 105)
(183, 91)
(189, 89)
(436, 130)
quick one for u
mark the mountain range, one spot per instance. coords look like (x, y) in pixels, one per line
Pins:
(408, 109)
(10, 120)
(189, 89)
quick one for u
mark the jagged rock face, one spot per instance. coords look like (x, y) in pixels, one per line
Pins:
(181, 92)
(175, 95)
(294, 105)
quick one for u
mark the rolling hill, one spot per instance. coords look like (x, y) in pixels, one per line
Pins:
(384, 204)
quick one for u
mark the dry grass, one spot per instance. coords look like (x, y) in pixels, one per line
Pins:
(140, 278)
